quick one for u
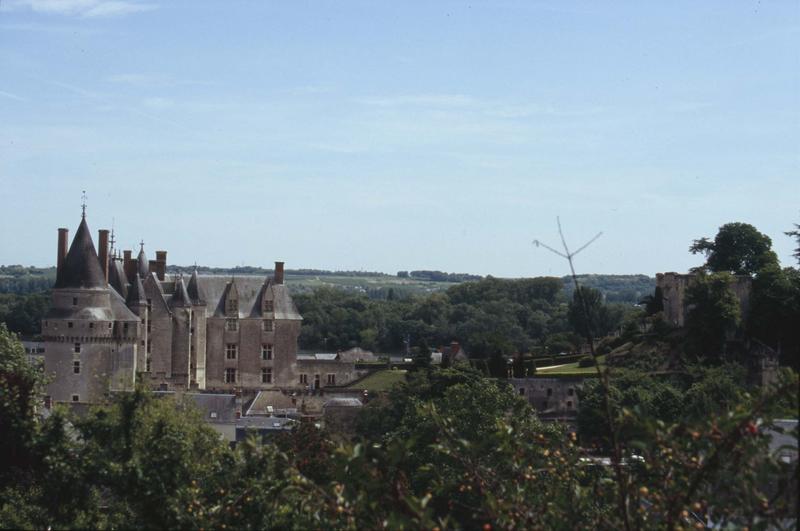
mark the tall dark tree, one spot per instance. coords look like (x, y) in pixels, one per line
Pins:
(737, 248)
(796, 234)
(714, 314)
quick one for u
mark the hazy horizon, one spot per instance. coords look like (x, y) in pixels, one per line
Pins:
(407, 136)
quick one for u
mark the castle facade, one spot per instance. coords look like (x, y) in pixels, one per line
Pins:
(115, 319)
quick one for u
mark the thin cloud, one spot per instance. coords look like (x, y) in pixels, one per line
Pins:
(12, 96)
(428, 100)
(80, 8)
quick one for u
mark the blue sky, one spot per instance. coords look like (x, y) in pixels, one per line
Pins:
(399, 135)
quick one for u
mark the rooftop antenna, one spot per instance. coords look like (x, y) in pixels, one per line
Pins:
(112, 237)
(616, 458)
(83, 204)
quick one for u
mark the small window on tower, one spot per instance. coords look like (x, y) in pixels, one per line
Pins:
(78, 348)
(91, 325)
(69, 324)
(331, 379)
(147, 365)
(74, 301)
(266, 375)
(76, 398)
(304, 379)
(230, 375)
(76, 367)
(109, 326)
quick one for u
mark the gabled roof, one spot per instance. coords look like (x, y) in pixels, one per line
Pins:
(81, 267)
(250, 290)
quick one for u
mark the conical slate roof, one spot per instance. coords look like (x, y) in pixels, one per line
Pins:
(136, 292)
(195, 291)
(81, 267)
(180, 298)
(142, 266)
(116, 277)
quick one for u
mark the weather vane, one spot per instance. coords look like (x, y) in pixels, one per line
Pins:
(83, 204)
(141, 245)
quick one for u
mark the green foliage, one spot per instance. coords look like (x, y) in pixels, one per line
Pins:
(713, 315)
(775, 311)
(738, 248)
(796, 234)
(23, 313)
(590, 316)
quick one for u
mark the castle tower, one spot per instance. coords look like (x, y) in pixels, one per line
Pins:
(197, 374)
(90, 335)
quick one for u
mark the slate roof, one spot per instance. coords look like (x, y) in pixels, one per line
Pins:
(250, 292)
(195, 290)
(142, 265)
(116, 277)
(118, 308)
(81, 267)
(136, 293)
(180, 297)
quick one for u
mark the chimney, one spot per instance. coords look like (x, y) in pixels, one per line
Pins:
(278, 273)
(161, 267)
(128, 265)
(103, 251)
(63, 236)
(152, 266)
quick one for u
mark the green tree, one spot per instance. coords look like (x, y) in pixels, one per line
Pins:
(591, 316)
(714, 313)
(738, 248)
(796, 234)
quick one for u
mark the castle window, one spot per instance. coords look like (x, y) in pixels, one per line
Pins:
(570, 391)
(231, 325)
(268, 306)
(522, 391)
(233, 305)
(76, 398)
(91, 325)
(569, 404)
(230, 375)
(231, 350)
(74, 301)
(109, 325)
(148, 346)
(69, 324)
(266, 375)
(76, 367)
(268, 325)
(331, 379)
(147, 365)
(266, 351)
(78, 348)
(304, 379)
(549, 392)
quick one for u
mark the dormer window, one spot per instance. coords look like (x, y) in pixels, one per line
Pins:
(232, 305)
(268, 325)
(231, 325)
(269, 306)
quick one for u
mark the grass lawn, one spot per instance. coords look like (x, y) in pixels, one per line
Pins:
(380, 380)
(571, 369)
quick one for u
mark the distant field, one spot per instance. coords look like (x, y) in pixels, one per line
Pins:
(571, 369)
(301, 283)
(380, 381)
